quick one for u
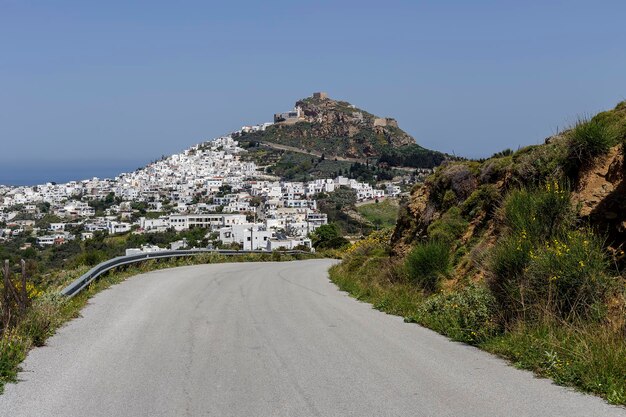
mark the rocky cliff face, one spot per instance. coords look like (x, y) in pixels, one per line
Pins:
(337, 128)
(364, 133)
(601, 195)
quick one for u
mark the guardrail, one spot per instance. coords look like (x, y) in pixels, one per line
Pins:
(87, 278)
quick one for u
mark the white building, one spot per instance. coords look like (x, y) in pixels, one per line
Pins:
(288, 244)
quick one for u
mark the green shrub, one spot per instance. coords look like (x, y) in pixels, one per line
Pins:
(495, 169)
(591, 138)
(42, 319)
(567, 276)
(505, 152)
(427, 263)
(506, 264)
(449, 227)
(13, 350)
(537, 164)
(540, 266)
(467, 315)
(453, 183)
(328, 236)
(449, 199)
(484, 199)
(538, 213)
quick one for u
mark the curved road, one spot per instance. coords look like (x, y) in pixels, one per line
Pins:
(266, 339)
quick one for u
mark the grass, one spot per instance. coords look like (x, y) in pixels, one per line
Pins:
(586, 357)
(428, 263)
(50, 310)
(382, 214)
(591, 138)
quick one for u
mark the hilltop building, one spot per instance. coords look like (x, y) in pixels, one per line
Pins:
(289, 117)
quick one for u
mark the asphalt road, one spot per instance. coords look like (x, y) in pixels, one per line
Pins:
(266, 339)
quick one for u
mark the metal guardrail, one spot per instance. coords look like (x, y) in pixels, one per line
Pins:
(87, 278)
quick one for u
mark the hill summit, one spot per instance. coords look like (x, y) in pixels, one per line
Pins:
(339, 129)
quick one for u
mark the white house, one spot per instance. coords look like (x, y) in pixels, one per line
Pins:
(117, 227)
(288, 244)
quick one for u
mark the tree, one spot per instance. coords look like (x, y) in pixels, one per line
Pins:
(328, 236)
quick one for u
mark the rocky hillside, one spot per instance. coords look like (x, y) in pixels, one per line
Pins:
(339, 129)
(588, 159)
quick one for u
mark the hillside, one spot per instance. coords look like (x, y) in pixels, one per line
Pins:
(521, 254)
(321, 125)
(588, 159)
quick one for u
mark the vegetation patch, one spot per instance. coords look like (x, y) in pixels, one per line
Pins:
(449, 227)
(590, 138)
(382, 214)
(587, 357)
(428, 263)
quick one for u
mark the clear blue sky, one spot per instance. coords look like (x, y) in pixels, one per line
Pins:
(130, 81)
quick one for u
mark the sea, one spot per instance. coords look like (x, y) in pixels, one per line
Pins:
(41, 172)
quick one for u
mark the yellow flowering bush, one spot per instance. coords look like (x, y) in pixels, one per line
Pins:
(378, 239)
(541, 264)
(569, 273)
(538, 213)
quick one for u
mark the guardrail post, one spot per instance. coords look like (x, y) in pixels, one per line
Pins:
(6, 313)
(24, 294)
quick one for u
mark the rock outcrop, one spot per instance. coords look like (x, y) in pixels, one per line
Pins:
(337, 128)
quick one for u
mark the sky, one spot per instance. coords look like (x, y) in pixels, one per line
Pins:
(117, 84)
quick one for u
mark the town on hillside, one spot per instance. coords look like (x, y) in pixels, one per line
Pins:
(208, 187)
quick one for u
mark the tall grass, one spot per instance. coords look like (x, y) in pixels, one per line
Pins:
(538, 213)
(589, 357)
(428, 263)
(568, 276)
(590, 138)
(541, 265)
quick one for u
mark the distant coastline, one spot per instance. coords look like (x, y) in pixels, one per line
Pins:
(41, 172)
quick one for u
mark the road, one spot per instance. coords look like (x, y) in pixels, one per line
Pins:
(312, 153)
(266, 339)
(332, 157)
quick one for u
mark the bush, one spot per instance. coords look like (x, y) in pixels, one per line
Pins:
(327, 236)
(507, 261)
(42, 319)
(542, 267)
(484, 199)
(449, 227)
(538, 213)
(495, 169)
(568, 275)
(468, 315)
(13, 350)
(427, 263)
(535, 165)
(453, 183)
(591, 138)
